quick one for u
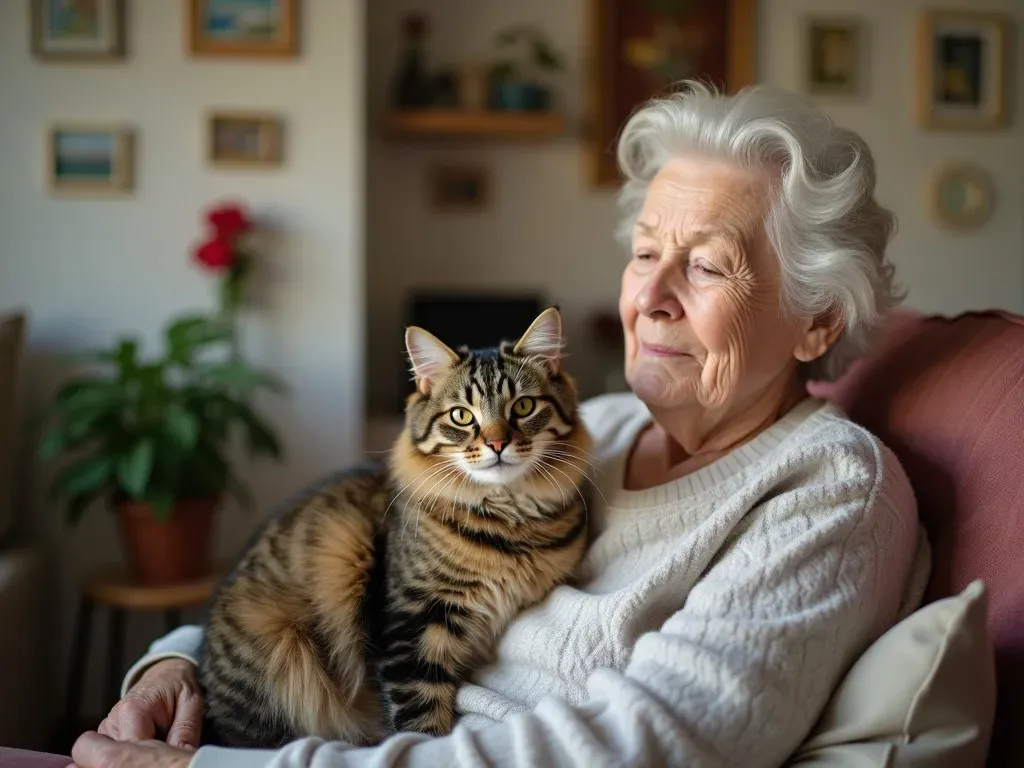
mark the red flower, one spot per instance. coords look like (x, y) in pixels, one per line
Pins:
(216, 255)
(229, 221)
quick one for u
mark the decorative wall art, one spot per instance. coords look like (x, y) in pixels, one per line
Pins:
(459, 187)
(78, 30)
(834, 57)
(962, 69)
(90, 159)
(640, 47)
(962, 197)
(251, 28)
(244, 139)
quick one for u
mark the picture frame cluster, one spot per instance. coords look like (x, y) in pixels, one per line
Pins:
(94, 158)
(962, 72)
(962, 65)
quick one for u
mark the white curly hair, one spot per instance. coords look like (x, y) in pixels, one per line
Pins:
(824, 224)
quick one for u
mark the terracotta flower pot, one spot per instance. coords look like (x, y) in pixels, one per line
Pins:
(170, 552)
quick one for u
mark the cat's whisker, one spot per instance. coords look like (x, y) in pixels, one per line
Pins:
(566, 454)
(554, 482)
(576, 487)
(451, 478)
(432, 470)
(569, 445)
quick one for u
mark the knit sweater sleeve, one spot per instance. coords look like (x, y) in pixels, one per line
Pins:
(739, 674)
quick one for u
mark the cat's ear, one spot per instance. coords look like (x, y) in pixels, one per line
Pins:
(543, 339)
(428, 354)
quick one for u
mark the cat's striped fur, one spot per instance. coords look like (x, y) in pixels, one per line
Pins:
(358, 611)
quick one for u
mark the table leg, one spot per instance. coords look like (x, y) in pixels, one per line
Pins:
(172, 619)
(76, 674)
(115, 646)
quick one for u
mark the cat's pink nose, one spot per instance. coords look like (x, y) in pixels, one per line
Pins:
(496, 445)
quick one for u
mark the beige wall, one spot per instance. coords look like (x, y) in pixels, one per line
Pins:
(546, 228)
(89, 269)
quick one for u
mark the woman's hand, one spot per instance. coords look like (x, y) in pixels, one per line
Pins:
(165, 703)
(95, 751)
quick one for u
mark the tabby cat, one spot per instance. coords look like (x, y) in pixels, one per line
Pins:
(358, 611)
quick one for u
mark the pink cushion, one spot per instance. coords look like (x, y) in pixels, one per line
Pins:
(947, 395)
(20, 758)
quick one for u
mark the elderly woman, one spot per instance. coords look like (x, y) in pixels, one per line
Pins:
(750, 541)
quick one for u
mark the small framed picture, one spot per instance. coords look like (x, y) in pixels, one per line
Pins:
(240, 139)
(244, 27)
(834, 58)
(78, 30)
(962, 69)
(962, 197)
(90, 159)
(459, 187)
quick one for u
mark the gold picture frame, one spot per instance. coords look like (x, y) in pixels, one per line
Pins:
(244, 139)
(233, 33)
(630, 63)
(834, 59)
(63, 32)
(963, 64)
(962, 196)
(90, 159)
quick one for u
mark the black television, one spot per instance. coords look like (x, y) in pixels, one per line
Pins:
(469, 318)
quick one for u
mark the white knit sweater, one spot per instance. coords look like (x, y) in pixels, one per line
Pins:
(711, 619)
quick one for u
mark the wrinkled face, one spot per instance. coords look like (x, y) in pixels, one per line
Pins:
(700, 301)
(493, 414)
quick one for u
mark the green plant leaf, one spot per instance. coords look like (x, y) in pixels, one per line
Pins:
(181, 425)
(260, 437)
(126, 358)
(87, 475)
(76, 507)
(188, 334)
(162, 501)
(237, 489)
(241, 376)
(134, 468)
(546, 58)
(53, 443)
(83, 396)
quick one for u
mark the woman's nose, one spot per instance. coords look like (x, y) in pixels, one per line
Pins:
(657, 300)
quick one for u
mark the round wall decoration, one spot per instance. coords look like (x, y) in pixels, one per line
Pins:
(962, 197)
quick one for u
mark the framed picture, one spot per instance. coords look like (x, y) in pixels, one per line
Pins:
(90, 159)
(251, 139)
(962, 197)
(834, 58)
(78, 30)
(244, 27)
(962, 69)
(638, 48)
(459, 188)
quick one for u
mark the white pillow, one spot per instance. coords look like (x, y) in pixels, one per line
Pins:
(922, 695)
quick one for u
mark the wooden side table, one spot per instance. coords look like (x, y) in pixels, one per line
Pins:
(116, 590)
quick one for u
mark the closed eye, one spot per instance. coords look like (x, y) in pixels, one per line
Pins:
(706, 270)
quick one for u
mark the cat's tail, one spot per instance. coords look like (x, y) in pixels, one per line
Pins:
(321, 696)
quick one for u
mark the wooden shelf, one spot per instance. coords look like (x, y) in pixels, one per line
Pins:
(459, 123)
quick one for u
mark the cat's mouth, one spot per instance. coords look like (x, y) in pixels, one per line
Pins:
(498, 471)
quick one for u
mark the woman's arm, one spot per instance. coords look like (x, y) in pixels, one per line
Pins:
(738, 676)
(182, 643)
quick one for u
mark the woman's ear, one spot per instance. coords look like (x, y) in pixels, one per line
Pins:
(429, 356)
(819, 334)
(543, 339)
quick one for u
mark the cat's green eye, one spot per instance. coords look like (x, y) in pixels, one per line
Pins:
(523, 406)
(460, 417)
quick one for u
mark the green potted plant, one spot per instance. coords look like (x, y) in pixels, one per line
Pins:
(151, 436)
(519, 82)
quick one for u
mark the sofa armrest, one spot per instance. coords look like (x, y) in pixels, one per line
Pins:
(26, 681)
